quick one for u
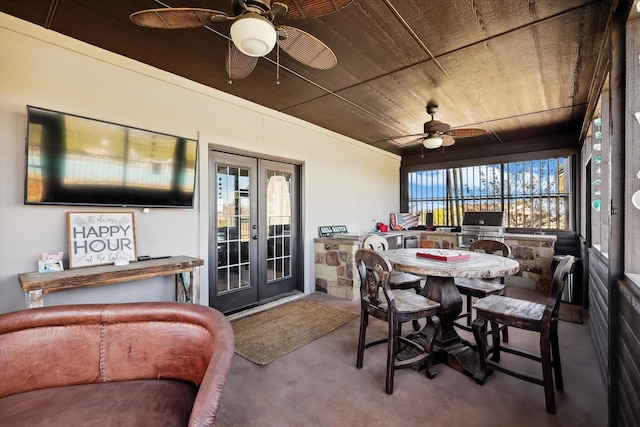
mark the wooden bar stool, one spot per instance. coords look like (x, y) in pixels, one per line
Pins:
(398, 279)
(517, 313)
(480, 288)
(394, 307)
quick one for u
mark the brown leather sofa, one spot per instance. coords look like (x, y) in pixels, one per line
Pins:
(132, 364)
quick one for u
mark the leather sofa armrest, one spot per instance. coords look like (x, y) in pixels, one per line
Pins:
(209, 395)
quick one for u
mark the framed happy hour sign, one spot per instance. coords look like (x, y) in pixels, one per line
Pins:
(100, 238)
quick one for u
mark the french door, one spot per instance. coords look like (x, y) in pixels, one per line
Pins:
(254, 241)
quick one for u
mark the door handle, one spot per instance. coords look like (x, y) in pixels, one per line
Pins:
(255, 237)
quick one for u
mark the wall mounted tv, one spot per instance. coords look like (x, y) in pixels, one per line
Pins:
(74, 160)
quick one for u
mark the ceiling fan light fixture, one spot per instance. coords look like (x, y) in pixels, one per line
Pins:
(253, 35)
(432, 142)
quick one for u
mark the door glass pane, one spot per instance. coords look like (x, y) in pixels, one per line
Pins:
(233, 206)
(279, 200)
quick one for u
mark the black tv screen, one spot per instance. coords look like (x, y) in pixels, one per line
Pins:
(74, 160)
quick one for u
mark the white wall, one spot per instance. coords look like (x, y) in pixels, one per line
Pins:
(345, 182)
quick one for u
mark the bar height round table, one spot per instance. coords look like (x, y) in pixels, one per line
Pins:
(440, 286)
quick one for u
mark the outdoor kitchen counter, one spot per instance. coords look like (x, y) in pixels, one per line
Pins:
(335, 271)
(441, 239)
(334, 267)
(539, 237)
(535, 253)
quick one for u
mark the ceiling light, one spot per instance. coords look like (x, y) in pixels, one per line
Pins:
(432, 142)
(253, 35)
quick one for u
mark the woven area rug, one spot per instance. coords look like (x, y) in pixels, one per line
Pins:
(264, 337)
(570, 313)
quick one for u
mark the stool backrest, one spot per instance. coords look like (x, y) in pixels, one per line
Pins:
(375, 242)
(490, 247)
(559, 280)
(374, 270)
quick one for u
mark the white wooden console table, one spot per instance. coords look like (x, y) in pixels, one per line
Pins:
(36, 285)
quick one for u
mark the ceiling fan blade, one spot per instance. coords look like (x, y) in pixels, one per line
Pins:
(448, 140)
(400, 139)
(300, 9)
(175, 17)
(467, 133)
(306, 49)
(238, 64)
(413, 141)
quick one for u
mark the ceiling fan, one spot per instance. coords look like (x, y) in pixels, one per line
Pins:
(438, 134)
(253, 33)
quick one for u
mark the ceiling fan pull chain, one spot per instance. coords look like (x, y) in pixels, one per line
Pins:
(229, 66)
(278, 62)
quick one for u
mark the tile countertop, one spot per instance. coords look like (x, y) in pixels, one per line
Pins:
(438, 232)
(522, 236)
(514, 236)
(543, 237)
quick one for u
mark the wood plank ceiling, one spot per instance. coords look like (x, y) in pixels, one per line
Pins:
(522, 70)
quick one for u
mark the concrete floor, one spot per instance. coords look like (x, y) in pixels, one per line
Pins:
(319, 385)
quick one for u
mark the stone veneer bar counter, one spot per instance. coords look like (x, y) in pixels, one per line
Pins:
(335, 268)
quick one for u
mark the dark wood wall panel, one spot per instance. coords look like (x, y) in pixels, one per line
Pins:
(566, 243)
(629, 355)
(627, 406)
(599, 336)
(584, 253)
(599, 310)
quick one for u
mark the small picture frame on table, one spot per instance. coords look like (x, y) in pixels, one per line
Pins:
(48, 263)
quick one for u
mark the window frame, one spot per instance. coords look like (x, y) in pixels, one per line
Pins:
(632, 151)
(491, 199)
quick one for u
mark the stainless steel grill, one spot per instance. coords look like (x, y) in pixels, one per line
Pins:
(479, 226)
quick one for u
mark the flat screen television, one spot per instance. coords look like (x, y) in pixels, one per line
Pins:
(74, 160)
